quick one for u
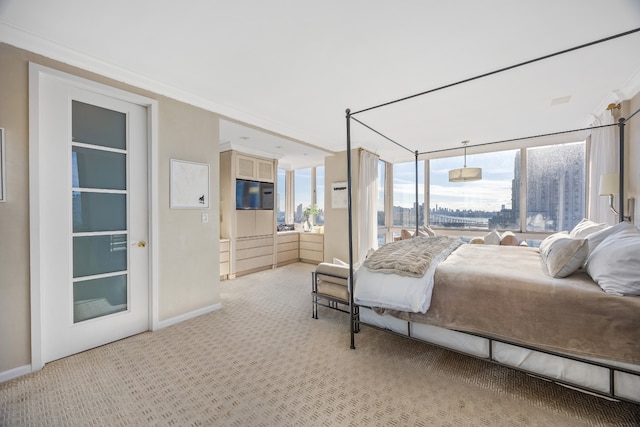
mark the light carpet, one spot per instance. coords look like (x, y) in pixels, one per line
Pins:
(263, 361)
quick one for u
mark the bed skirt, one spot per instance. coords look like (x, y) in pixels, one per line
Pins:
(611, 379)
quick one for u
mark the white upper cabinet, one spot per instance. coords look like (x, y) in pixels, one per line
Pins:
(254, 169)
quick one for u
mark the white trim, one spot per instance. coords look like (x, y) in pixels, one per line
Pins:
(36, 73)
(154, 212)
(190, 315)
(15, 373)
(34, 218)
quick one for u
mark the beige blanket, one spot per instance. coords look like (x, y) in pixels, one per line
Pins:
(411, 257)
(501, 291)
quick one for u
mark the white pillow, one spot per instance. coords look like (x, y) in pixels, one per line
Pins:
(596, 238)
(341, 263)
(561, 255)
(428, 230)
(615, 263)
(493, 238)
(586, 227)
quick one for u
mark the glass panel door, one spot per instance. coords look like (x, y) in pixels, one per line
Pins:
(99, 206)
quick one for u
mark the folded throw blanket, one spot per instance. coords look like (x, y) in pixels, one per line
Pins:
(411, 257)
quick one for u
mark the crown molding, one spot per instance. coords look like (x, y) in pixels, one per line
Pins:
(630, 89)
(34, 43)
(226, 146)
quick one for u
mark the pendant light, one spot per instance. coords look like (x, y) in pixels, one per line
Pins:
(465, 174)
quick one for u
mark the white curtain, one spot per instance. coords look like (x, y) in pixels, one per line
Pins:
(603, 160)
(367, 204)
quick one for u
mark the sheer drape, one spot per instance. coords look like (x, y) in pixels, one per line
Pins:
(367, 204)
(603, 159)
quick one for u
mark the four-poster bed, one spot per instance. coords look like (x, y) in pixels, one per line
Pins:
(605, 361)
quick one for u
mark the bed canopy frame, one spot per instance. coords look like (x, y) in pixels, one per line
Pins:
(350, 117)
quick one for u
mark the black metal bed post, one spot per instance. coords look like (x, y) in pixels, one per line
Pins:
(417, 204)
(350, 284)
(621, 197)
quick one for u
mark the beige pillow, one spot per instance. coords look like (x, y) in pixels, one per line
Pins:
(493, 238)
(422, 233)
(586, 227)
(405, 234)
(428, 230)
(561, 255)
(477, 240)
(509, 239)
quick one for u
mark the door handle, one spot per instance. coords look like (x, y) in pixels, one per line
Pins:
(141, 244)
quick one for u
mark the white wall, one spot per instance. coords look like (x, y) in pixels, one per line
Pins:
(632, 159)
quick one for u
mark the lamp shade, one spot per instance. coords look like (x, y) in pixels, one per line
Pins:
(465, 174)
(609, 184)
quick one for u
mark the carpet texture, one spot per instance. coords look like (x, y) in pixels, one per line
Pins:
(263, 361)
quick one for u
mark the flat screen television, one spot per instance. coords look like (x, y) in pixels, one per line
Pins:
(254, 194)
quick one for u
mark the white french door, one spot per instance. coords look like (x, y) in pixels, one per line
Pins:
(92, 218)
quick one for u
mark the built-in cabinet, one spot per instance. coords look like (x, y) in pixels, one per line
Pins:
(312, 247)
(251, 223)
(254, 168)
(225, 257)
(251, 232)
(249, 241)
(288, 248)
(254, 254)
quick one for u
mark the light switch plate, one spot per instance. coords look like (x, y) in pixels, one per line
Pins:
(205, 217)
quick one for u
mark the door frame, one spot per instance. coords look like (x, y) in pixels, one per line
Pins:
(37, 74)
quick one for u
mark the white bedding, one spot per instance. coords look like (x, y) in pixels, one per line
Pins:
(404, 293)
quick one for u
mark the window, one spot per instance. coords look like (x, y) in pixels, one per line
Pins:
(555, 198)
(307, 189)
(282, 199)
(556, 191)
(302, 196)
(484, 204)
(404, 194)
(320, 195)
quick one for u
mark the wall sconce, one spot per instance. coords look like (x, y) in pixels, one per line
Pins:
(609, 187)
(465, 174)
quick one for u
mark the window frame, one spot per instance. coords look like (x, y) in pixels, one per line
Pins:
(390, 230)
(522, 146)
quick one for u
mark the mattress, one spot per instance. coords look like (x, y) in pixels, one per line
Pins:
(502, 292)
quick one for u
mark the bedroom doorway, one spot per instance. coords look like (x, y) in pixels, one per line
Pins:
(90, 217)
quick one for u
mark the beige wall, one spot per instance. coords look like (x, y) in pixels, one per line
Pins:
(188, 249)
(189, 267)
(14, 213)
(336, 221)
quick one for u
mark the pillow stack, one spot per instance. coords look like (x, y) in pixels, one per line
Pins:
(610, 255)
(614, 259)
(494, 238)
(424, 231)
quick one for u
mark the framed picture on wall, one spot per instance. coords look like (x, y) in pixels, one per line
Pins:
(3, 186)
(339, 195)
(189, 185)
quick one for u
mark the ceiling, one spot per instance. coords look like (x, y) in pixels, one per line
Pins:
(283, 72)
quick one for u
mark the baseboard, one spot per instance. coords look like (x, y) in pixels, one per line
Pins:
(14, 373)
(187, 316)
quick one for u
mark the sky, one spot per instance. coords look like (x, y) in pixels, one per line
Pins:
(491, 193)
